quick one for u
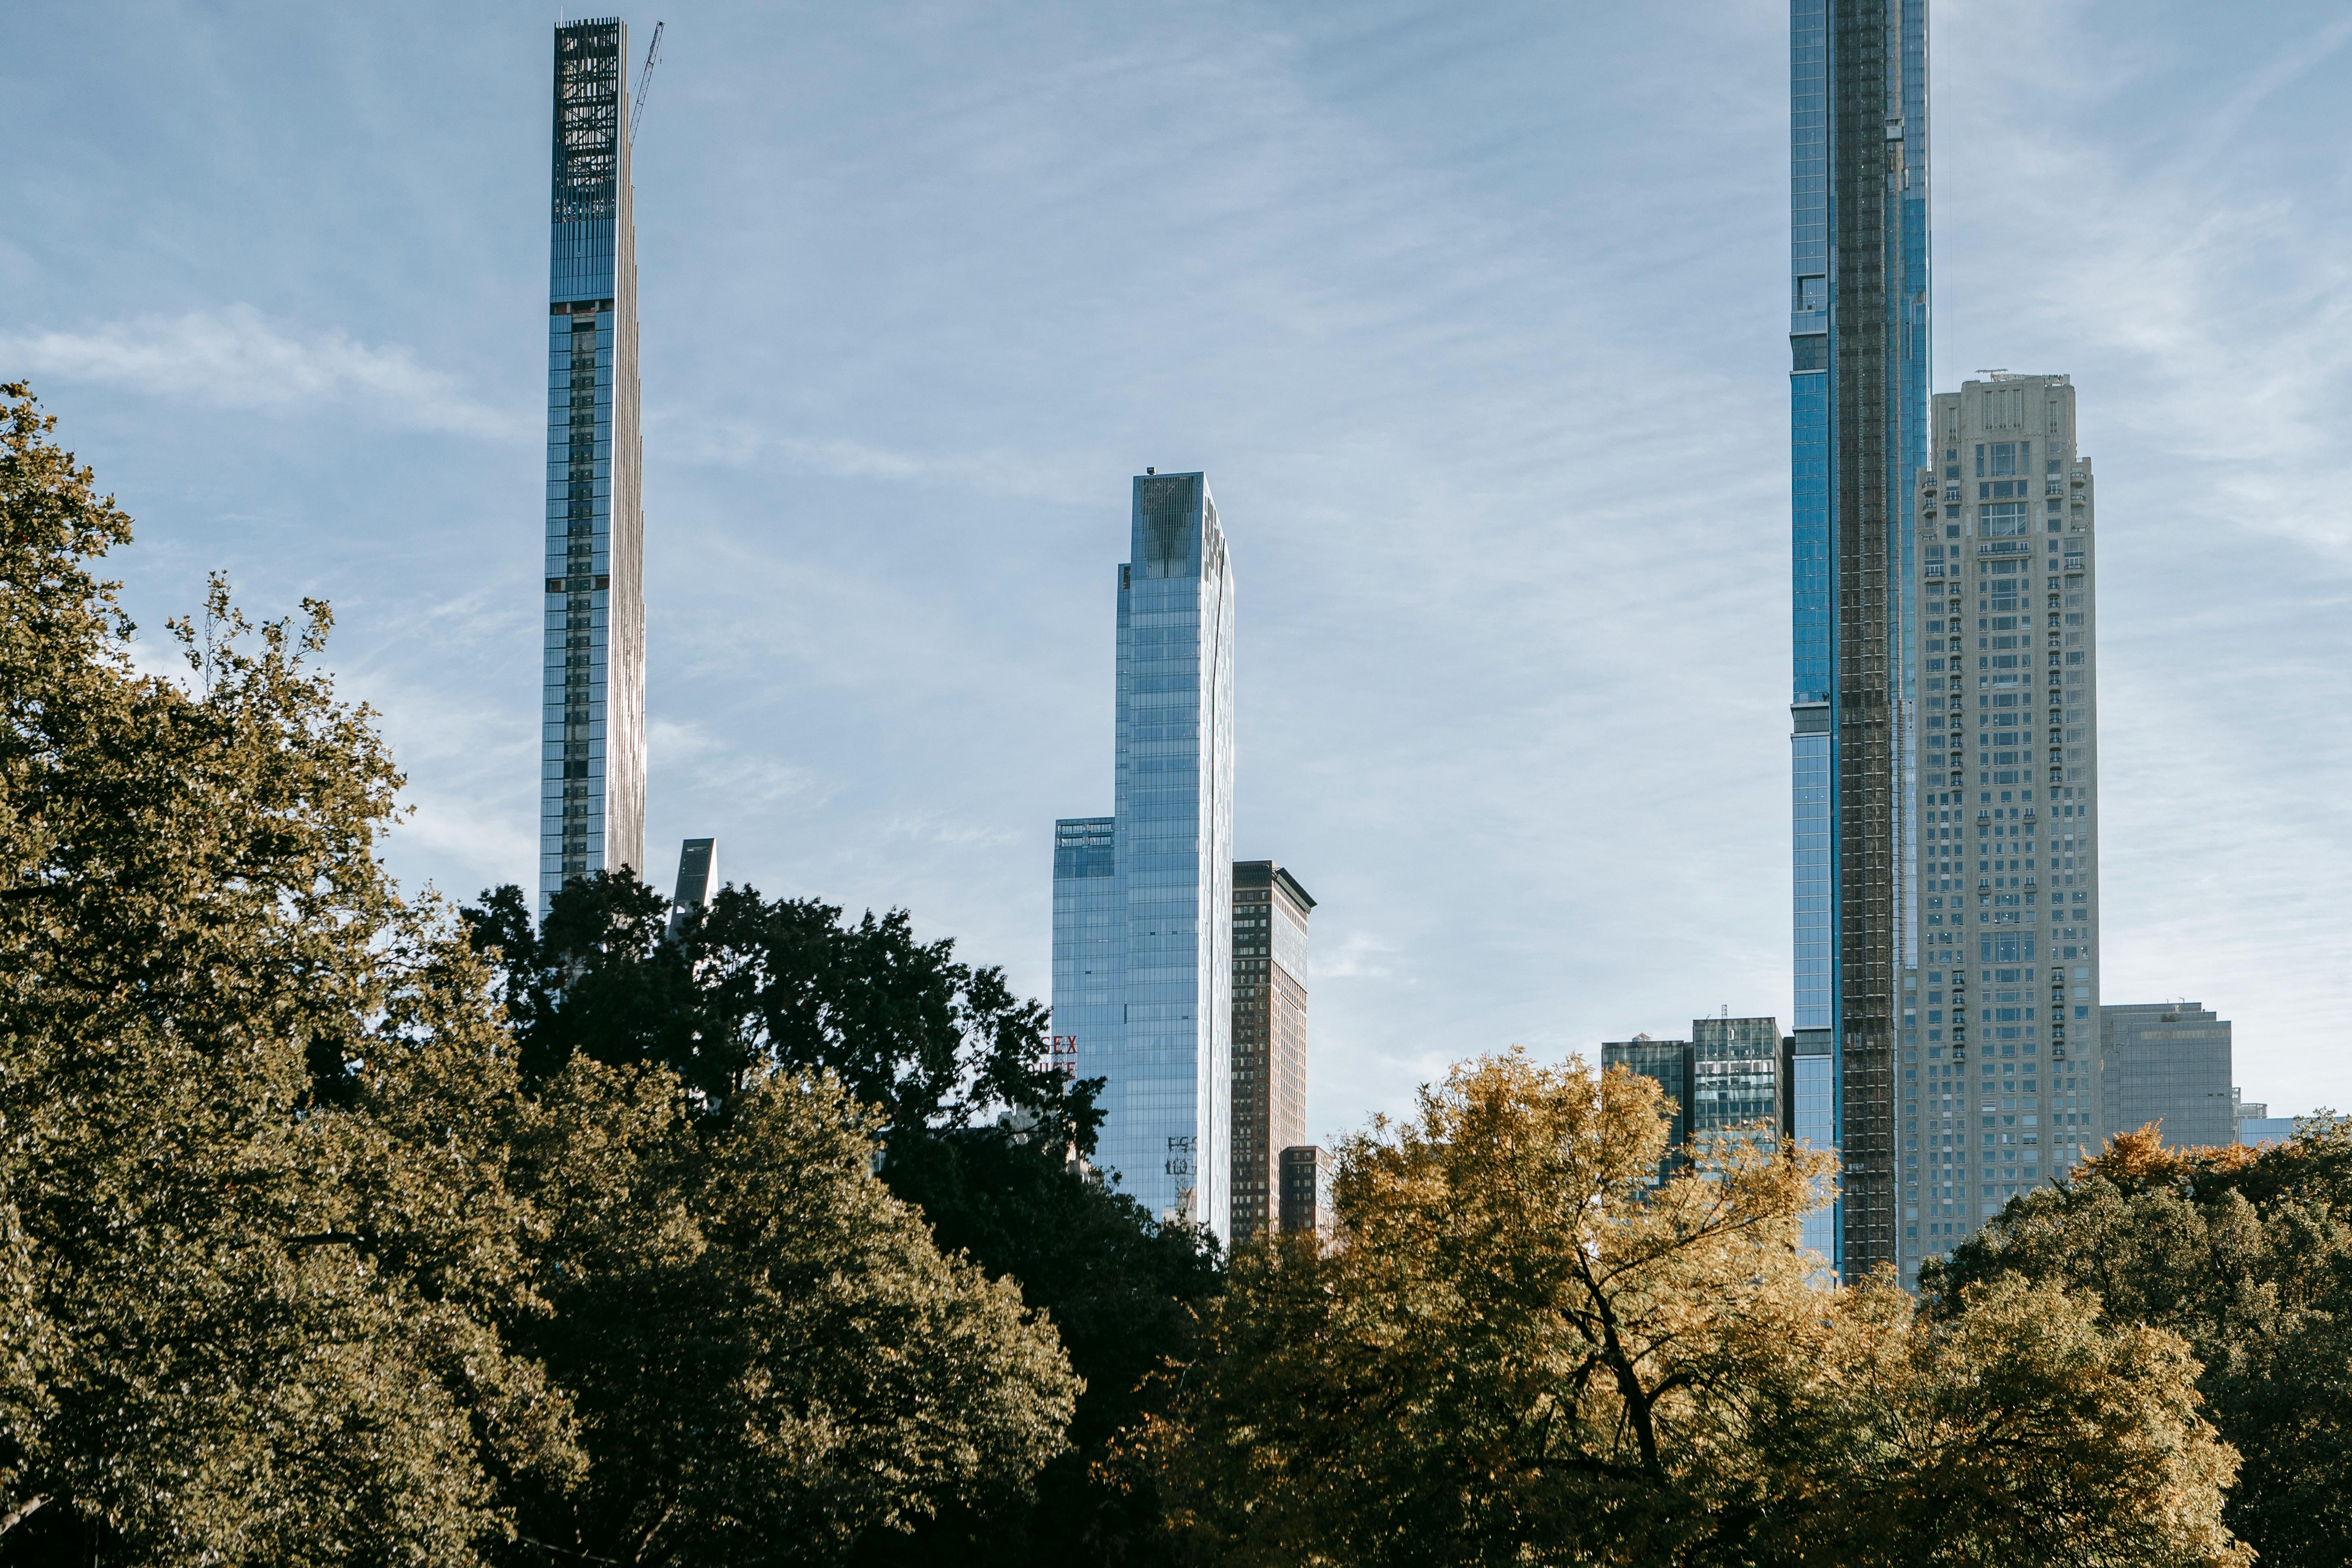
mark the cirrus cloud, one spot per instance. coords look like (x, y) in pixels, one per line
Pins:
(238, 358)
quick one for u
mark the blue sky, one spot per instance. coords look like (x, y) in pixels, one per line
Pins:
(1474, 317)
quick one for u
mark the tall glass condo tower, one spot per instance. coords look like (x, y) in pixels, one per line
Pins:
(1858, 415)
(1144, 965)
(591, 809)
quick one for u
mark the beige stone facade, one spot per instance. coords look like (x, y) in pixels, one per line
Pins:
(2000, 1070)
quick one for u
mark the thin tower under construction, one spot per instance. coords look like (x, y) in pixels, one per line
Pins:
(592, 752)
(1858, 338)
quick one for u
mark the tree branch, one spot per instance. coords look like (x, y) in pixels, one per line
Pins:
(22, 1511)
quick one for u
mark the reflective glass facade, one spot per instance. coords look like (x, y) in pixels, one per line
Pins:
(1725, 1081)
(1858, 418)
(1668, 1064)
(1735, 1077)
(1813, 1122)
(2168, 1062)
(1142, 934)
(592, 751)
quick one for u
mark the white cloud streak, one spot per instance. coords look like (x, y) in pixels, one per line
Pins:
(236, 358)
(1017, 476)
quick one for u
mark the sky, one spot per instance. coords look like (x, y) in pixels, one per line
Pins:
(1474, 317)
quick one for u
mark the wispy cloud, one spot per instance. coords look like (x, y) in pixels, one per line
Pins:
(742, 777)
(1359, 955)
(238, 358)
(1019, 475)
(938, 827)
(2177, 276)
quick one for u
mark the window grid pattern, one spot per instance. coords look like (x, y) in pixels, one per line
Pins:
(1269, 1079)
(2007, 1084)
(592, 754)
(1859, 255)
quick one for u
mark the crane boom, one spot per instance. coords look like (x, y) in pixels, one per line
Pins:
(645, 80)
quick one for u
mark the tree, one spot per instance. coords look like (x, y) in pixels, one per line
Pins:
(940, 1050)
(770, 1357)
(1122, 1289)
(2023, 1430)
(2247, 1254)
(291, 1240)
(1522, 1351)
(206, 1357)
(750, 982)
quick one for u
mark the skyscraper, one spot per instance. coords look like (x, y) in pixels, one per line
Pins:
(697, 880)
(2007, 1085)
(1668, 1064)
(1142, 934)
(1723, 1081)
(1306, 1172)
(2168, 1062)
(1858, 407)
(592, 813)
(1270, 910)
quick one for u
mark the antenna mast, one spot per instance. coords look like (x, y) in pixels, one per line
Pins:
(645, 80)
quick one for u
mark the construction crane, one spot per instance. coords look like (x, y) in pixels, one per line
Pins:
(645, 80)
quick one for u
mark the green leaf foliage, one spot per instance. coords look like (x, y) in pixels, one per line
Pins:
(750, 982)
(204, 1360)
(983, 1136)
(1122, 1289)
(305, 1258)
(2247, 1256)
(769, 1357)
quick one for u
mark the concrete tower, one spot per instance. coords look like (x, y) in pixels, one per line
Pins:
(2003, 1087)
(1269, 1111)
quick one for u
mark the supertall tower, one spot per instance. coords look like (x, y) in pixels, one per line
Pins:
(1858, 405)
(1143, 961)
(592, 759)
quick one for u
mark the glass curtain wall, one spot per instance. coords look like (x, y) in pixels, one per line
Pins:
(591, 765)
(1858, 379)
(1163, 917)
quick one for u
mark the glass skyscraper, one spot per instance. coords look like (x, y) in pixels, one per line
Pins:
(1858, 414)
(1724, 1082)
(1142, 934)
(592, 813)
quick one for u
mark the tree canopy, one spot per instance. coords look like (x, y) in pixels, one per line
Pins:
(339, 1227)
(749, 982)
(302, 1264)
(980, 1133)
(2246, 1254)
(1522, 1350)
(769, 1358)
(204, 1364)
